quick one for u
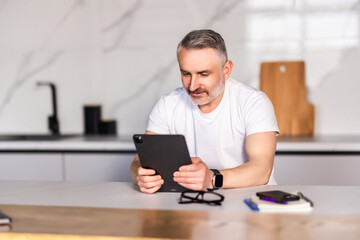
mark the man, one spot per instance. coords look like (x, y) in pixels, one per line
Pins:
(230, 128)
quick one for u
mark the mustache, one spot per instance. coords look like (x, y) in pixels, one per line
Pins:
(198, 90)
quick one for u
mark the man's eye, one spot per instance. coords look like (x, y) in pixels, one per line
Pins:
(186, 74)
(204, 74)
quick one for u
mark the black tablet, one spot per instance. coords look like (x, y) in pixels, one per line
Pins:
(165, 154)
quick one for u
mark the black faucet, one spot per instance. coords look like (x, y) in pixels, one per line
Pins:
(53, 121)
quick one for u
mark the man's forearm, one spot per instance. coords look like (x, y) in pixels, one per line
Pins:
(260, 149)
(246, 175)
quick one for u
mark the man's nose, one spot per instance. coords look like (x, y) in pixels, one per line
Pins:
(193, 83)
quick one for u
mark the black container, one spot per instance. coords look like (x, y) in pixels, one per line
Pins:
(92, 116)
(107, 127)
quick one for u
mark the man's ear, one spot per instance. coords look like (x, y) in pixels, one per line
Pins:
(227, 69)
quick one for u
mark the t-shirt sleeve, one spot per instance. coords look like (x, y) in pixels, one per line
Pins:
(260, 115)
(157, 119)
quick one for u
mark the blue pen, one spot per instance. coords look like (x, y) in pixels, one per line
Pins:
(251, 204)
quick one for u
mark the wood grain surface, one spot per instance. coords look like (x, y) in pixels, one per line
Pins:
(284, 84)
(44, 222)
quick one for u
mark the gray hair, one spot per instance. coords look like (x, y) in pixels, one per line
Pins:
(204, 38)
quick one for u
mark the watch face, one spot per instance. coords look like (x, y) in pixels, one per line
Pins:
(218, 180)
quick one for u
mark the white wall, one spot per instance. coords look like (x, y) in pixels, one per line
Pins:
(121, 54)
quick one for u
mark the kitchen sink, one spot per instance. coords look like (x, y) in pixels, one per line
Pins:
(36, 137)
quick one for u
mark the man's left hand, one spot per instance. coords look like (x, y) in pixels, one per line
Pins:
(196, 176)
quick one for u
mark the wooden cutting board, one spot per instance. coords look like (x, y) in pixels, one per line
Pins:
(284, 84)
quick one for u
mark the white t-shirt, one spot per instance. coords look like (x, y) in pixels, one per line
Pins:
(218, 137)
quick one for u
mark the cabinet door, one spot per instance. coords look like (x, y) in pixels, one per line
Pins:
(31, 166)
(317, 169)
(110, 167)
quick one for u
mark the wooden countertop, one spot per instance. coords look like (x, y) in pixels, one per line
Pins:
(74, 210)
(44, 222)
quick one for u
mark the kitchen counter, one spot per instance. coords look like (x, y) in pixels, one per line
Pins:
(327, 144)
(329, 200)
(330, 143)
(59, 210)
(72, 144)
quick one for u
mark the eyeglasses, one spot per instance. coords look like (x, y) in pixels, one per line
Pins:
(211, 198)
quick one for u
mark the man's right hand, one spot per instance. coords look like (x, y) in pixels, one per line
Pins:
(148, 181)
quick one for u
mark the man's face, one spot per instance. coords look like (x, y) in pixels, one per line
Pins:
(202, 74)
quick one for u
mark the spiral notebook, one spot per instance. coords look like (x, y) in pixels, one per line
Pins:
(256, 204)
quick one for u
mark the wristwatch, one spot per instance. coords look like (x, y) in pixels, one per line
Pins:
(217, 180)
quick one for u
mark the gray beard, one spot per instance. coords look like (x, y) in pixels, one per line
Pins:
(214, 95)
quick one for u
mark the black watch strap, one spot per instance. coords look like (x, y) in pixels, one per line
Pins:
(217, 180)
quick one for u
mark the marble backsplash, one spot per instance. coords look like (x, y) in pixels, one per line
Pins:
(122, 54)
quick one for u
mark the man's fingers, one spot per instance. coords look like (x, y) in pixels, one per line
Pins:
(150, 190)
(192, 186)
(192, 176)
(196, 165)
(149, 178)
(144, 171)
(152, 184)
(147, 181)
(188, 180)
(195, 160)
(189, 168)
(187, 174)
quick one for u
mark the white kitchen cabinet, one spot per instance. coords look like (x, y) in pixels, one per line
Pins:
(322, 169)
(31, 166)
(290, 169)
(113, 167)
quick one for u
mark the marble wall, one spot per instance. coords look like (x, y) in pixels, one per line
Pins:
(121, 54)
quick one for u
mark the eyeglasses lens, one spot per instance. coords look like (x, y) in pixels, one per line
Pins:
(205, 197)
